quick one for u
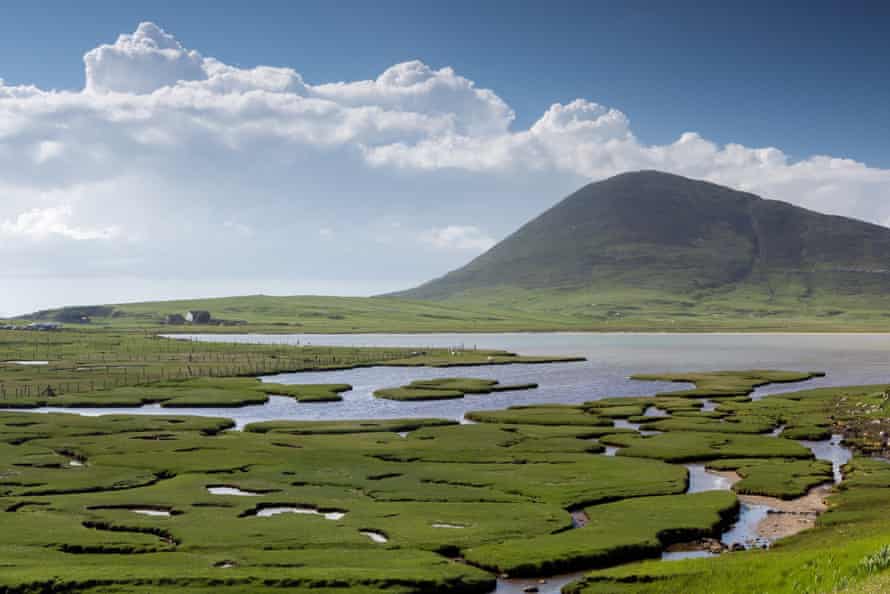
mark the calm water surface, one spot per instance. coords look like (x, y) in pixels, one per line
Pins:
(611, 359)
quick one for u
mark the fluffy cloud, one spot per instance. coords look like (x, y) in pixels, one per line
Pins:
(45, 223)
(141, 62)
(458, 237)
(168, 156)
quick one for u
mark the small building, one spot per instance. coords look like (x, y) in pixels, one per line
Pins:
(174, 319)
(44, 326)
(197, 316)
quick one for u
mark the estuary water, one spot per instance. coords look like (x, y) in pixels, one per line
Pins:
(611, 359)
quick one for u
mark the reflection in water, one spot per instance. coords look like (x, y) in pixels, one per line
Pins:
(701, 479)
(654, 411)
(232, 491)
(625, 424)
(612, 358)
(152, 512)
(268, 512)
(377, 537)
(832, 451)
(744, 531)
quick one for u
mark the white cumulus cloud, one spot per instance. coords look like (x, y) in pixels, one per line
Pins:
(458, 237)
(44, 223)
(167, 156)
(141, 62)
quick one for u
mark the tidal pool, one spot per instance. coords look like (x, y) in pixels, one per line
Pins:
(744, 531)
(152, 512)
(377, 537)
(222, 490)
(832, 451)
(701, 479)
(268, 512)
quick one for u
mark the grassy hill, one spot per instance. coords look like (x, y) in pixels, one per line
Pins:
(636, 252)
(659, 250)
(652, 230)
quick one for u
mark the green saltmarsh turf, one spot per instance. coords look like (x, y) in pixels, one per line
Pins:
(618, 532)
(120, 368)
(428, 493)
(504, 309)
(447, 388)
(832, 557)
(496, 494)
(785, 479)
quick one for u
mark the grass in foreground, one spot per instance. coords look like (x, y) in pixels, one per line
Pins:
(497, 494)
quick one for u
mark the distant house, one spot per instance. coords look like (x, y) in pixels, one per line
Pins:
(174, 319)
(197, 316)
(44, 326)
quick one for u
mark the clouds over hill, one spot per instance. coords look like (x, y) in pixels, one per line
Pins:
(165, 150)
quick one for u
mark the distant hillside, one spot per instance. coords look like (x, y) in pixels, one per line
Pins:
(642, 251)
(296, 314)
(655, 231)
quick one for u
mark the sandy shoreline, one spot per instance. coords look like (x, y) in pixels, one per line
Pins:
(787, 516)
(790, 516)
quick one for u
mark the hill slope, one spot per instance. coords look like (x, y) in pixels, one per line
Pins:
(642, 251)
(651, 230)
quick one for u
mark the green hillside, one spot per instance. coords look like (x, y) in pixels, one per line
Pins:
(639, 251)
(652, 230)
(650, 248)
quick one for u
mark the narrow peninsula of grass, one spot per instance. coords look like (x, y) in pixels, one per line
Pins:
(785, 479)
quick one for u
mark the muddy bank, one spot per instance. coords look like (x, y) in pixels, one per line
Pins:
(786, 518)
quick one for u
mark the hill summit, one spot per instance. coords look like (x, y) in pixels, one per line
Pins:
(650, 230)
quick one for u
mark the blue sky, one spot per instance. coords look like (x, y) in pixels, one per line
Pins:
(188, 149)
(809, 76)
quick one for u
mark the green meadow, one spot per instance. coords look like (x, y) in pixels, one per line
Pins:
(790, 306)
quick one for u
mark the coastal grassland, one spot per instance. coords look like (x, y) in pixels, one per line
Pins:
(785, 479)
(453, 504)
(695, 446)
(618, 532)
(89, 368)
(832, 557)
(447, 388)
(788, 307)
(202, 392)
(72, 487)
